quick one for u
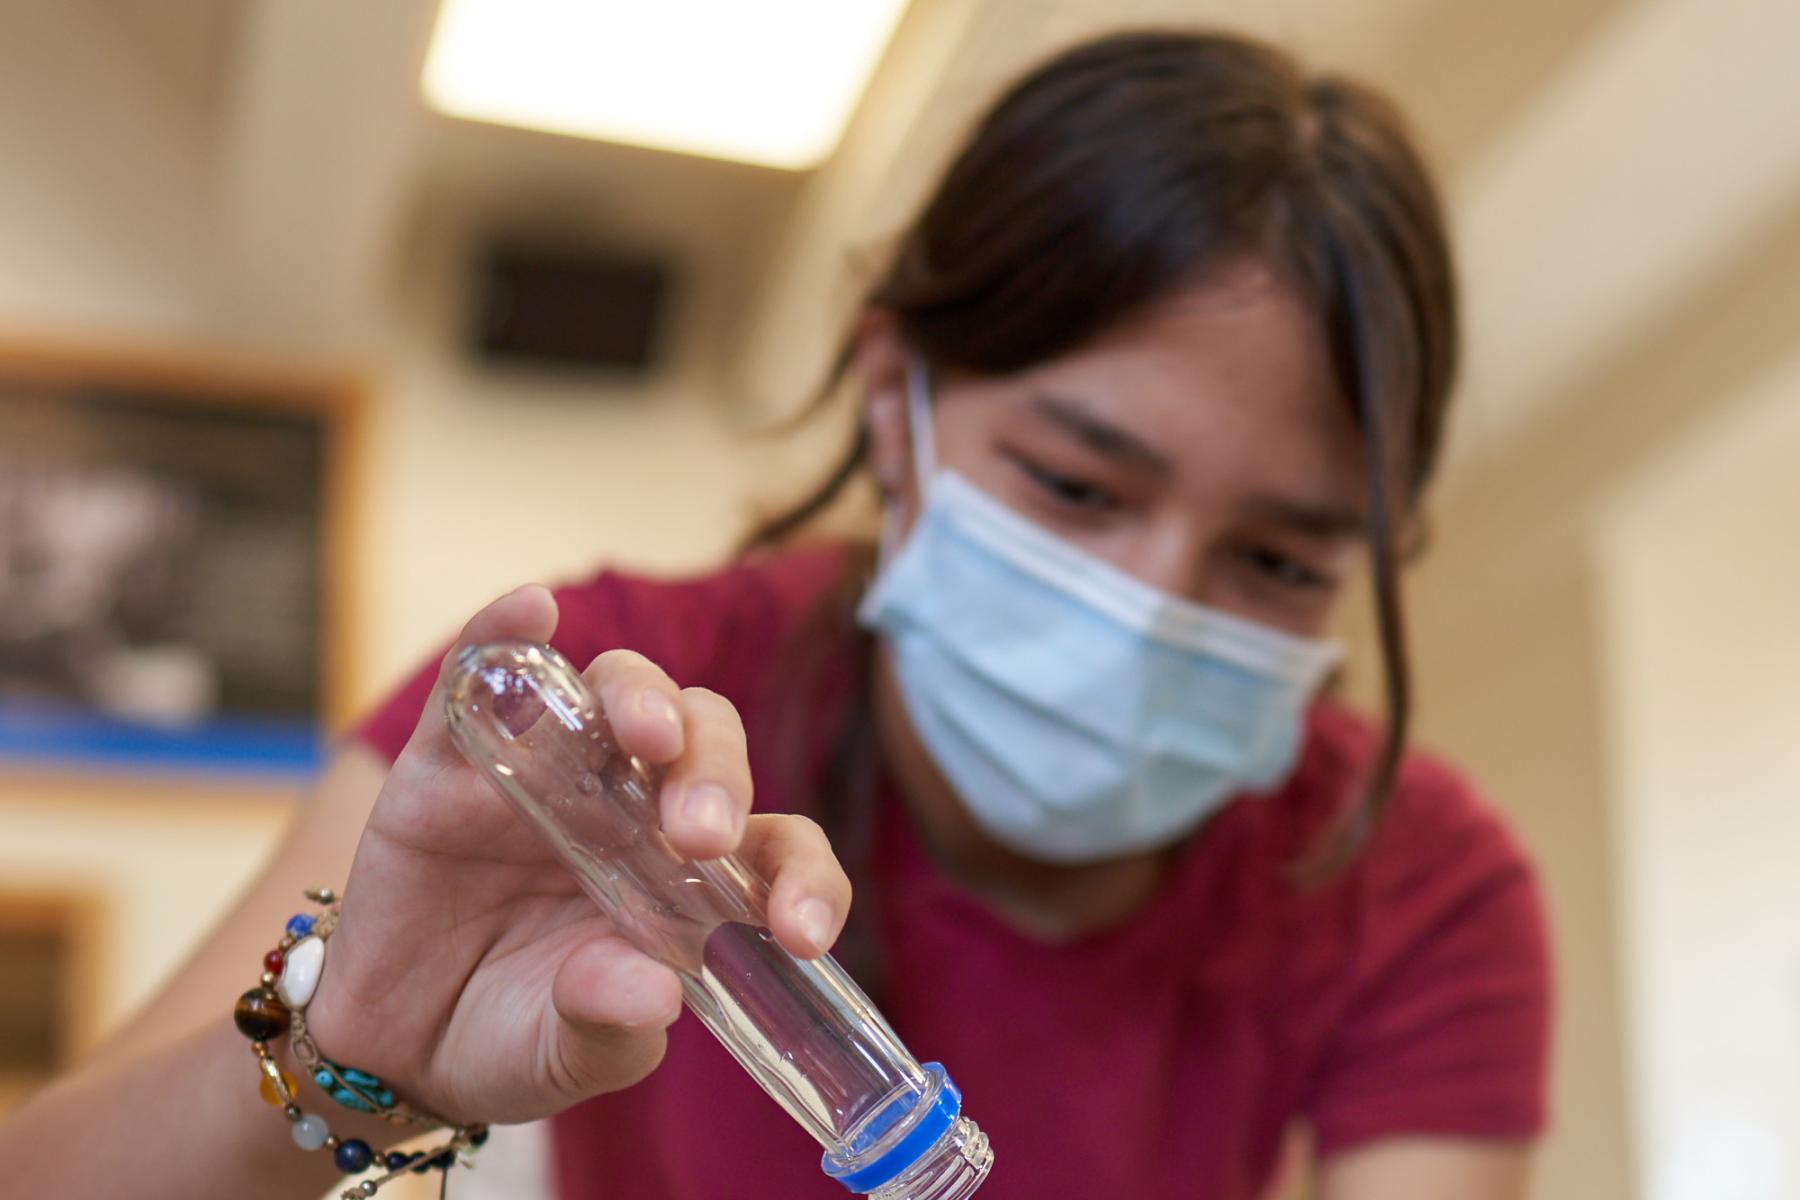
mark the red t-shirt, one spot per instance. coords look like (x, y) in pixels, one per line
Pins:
(1163, 1057)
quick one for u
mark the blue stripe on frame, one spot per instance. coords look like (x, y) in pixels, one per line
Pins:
(235, 745)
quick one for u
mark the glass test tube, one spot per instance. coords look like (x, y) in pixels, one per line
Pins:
(890, 1127)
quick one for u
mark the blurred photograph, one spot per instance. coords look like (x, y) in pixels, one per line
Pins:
(161, 574)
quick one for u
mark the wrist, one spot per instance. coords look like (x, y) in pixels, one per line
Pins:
(363, 1120)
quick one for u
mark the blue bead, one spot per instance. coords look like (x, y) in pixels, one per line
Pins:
(352, 1075)
(353, 1157)
(322, 1077)
(479, 1137)
(395, 1160)
(299, 925)
(445, 1161)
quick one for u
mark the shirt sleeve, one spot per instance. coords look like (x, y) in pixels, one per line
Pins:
(1447, 1030)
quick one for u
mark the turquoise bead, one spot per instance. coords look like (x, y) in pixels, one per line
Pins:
(351, 1100)
(357, 1090)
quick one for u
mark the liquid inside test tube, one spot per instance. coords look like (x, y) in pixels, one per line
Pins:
(890, 1127)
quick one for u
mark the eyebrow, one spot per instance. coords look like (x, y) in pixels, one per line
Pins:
(1312, 520)
(1102, 436)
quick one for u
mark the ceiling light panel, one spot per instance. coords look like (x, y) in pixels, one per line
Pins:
(763, 81)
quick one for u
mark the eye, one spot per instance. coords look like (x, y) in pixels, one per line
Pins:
(1067, 489)
(1288, 572)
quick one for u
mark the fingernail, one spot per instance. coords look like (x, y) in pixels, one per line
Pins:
(527, 587)
(709, 807)
(814, 917)
(660, 707)
(641, 989)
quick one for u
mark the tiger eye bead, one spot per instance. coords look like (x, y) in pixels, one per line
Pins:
(260, 1016)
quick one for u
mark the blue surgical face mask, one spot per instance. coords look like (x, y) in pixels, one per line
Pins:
(1079, 713)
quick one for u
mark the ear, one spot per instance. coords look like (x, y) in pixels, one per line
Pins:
(879, 364)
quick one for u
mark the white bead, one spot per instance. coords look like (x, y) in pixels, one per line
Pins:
(300, 973)
(310, 1133)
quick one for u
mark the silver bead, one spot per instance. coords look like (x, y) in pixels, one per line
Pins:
(268, 979)
(368, 1188)
(331, 1141)
(293, 1112)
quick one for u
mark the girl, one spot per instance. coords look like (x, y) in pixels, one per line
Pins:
(1164, 359)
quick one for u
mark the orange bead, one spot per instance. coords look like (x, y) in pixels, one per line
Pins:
(266, 1089)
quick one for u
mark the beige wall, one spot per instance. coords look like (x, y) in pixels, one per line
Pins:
(1703, 586)
(1509, 686)
(156, 859)
(101, 216)
(482, 480)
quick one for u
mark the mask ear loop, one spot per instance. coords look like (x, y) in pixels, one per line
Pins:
(924, 434)
(923, 438)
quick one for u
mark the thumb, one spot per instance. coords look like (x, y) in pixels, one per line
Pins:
(612, 1005)
(526, 614)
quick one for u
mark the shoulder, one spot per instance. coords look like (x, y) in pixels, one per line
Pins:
(1437, 822)
(691, 625)
(718, 629)
(1430, 960)
(1443, 865)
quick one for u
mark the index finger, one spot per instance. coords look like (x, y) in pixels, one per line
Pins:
(641, 703)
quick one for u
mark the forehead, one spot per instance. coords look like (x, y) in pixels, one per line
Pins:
(1229, 377)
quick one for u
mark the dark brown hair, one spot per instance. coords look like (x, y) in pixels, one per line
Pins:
(1118, 173)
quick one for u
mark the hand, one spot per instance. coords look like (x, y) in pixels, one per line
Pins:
(470, 973)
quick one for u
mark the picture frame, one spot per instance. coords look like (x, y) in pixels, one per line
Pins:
(175, 558)
(51, 962)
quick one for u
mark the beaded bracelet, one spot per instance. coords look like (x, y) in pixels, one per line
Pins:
(277, 1007)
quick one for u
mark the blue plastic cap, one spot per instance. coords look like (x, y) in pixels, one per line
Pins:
(937, 1118)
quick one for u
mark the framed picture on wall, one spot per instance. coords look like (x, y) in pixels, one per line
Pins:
(173, 559)
(50, 966)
